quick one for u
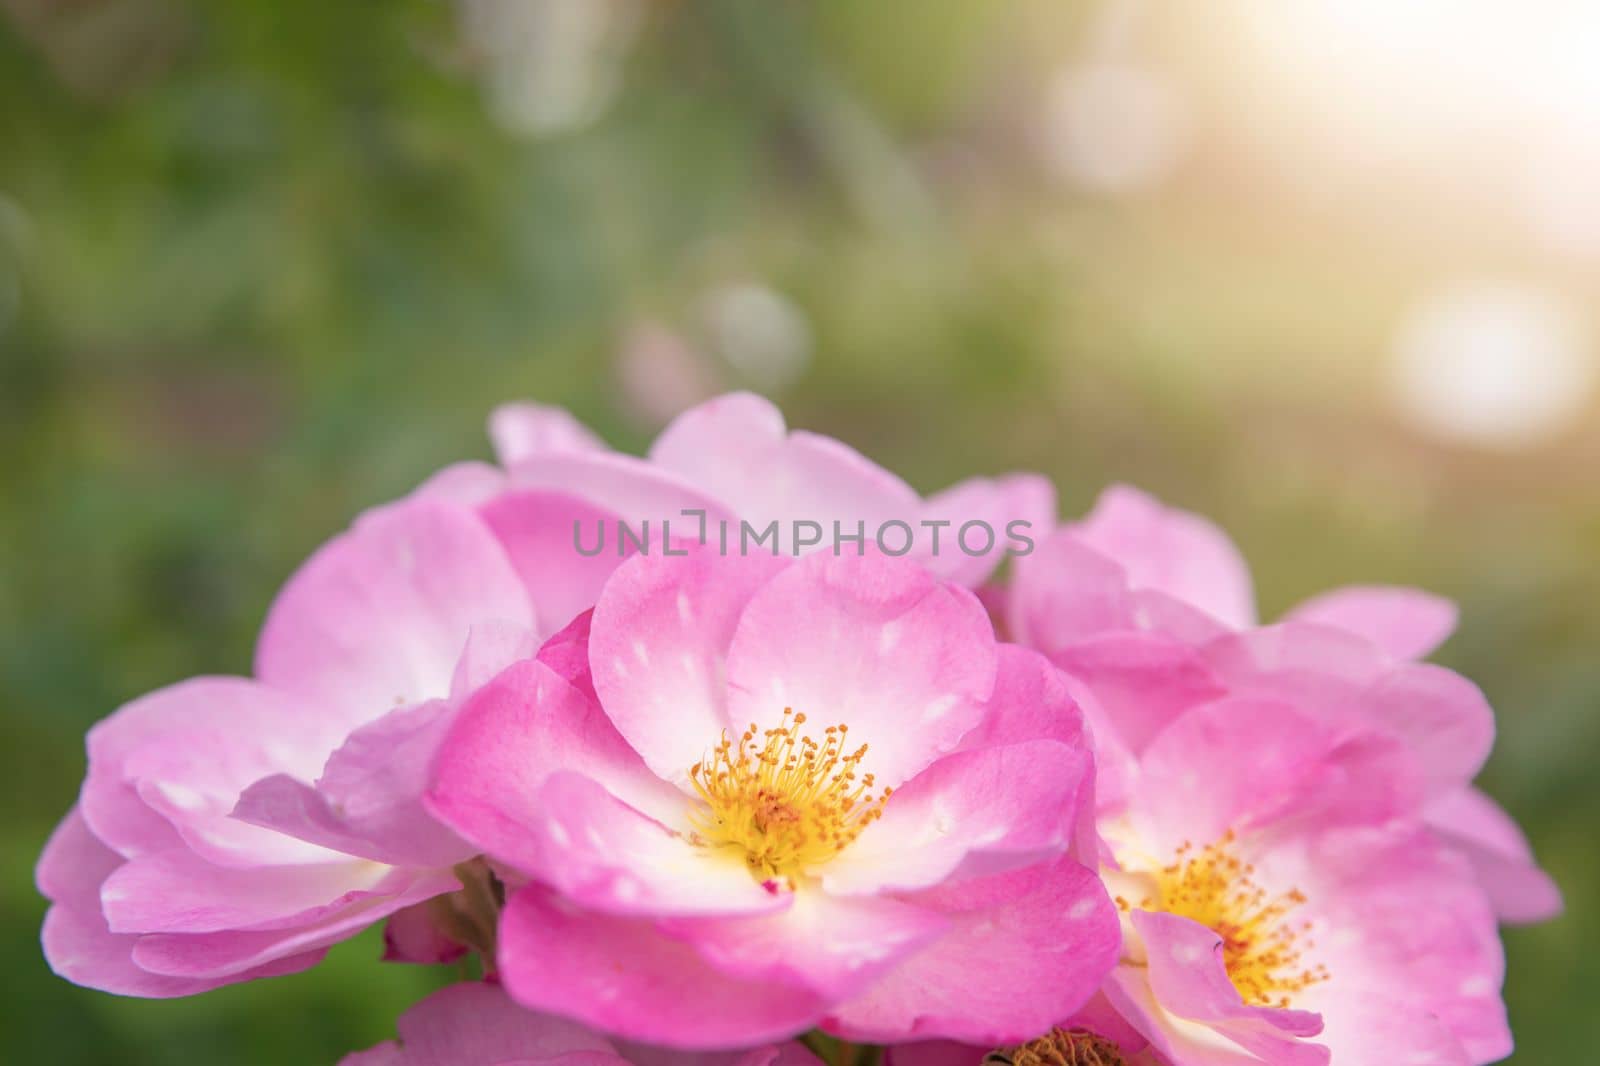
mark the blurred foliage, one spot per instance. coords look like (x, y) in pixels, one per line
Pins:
(263, 265)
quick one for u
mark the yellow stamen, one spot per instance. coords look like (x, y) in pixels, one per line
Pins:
(1263, 948)
(785, 803)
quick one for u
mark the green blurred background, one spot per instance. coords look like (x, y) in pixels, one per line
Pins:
(1327, 271)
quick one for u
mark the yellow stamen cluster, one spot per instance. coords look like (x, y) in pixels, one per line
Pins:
(1263, 948)
(780, 800)
(1061, 1047)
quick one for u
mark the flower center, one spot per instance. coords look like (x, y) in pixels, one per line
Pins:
(782, 801)
(1263, 947)
(1061, 1047)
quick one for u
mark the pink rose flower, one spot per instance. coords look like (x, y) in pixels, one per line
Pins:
(1275, 806)
(1151, 610)
(1282, 904)
(232, 828)
(476, 1025)
(749, 796)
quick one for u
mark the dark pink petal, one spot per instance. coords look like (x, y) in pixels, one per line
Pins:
(1490, 840)
(788, 1054)
(934, 1053)
(1025, 950)
(620, 975)
(877, 644)
(516, 731)
(1186, 556)
(970, 814)
(520, 430)
(412, 935)
(1406, 623)
(474, 1024)
(567, 653)
(377, 617)
(658, 645)
(606, 856)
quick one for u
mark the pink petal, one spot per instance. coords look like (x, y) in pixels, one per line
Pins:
(636, 491)
(1186, 973)
(658, 643)
(474, 1024)
(177, 892)
(77, 943)
(970, 814)
(180, 756)
(737, 449)
(1344, 678)
(368, 801)
(1141, 682)
(464, 484)
(378, 617)
(1405, 623)
(606, 856)
(1443, 716)
(520, 430)
(1172, 551)
(80, 948)
(523, 726)
(1025, 950)
(491, 647)
(1479, 829)
(621, 975)
(1032, 700)
(1310, 662)
(1018, 510)
(836, 947)
(1064, 592)
(1246, 763)
(563, 548)
(230, 952)
(1128, 989)
(876, 644)
(1425, 945)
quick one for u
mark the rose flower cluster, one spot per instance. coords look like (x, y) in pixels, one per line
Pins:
(746, 753)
